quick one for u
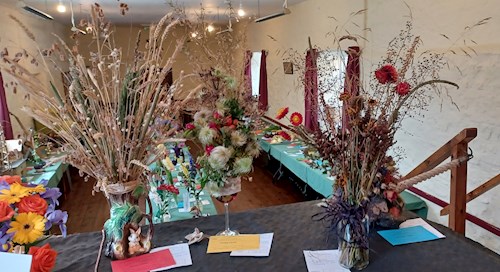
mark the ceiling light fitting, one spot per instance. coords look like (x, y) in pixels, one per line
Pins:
(275, 15)
(241, 11)
(61, 7)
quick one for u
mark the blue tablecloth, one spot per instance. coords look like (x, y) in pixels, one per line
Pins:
(290, 155)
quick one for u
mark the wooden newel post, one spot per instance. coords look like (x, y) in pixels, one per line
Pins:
(458, 190)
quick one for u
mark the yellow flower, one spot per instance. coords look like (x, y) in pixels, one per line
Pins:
(185, 170)
(38, 189)
(27, 228)
(14, 193)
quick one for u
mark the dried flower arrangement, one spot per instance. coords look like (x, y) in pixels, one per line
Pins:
(108, 123)
(358, 147)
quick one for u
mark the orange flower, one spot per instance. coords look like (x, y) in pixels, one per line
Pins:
(34, 204)
(44, 258)
(11, 179)
(285, 135)
(296, 119)
(6, 212)
(282, 113)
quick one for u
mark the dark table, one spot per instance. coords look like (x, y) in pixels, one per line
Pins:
(294, 231)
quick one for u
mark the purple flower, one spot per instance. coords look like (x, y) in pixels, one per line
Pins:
(51, 194)
(4, 185)
(57, 217)
(5, 237)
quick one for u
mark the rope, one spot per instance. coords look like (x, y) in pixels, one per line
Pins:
(100, 252)
(115, 188)
(405, 184)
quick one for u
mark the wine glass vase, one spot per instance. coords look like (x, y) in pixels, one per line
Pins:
(227, 194)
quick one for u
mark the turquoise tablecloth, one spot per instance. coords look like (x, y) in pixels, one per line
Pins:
(289, 154)
(53, 173)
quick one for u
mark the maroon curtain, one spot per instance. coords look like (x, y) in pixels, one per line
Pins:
(263, 82)
(311, 91)
(4, 113)
(351, 83)
(248, 72)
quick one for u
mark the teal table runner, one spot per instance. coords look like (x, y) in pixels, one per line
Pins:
(53, 173)
(290, 155)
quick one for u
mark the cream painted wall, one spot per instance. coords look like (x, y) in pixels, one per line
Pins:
(14, 39)
(477, 98)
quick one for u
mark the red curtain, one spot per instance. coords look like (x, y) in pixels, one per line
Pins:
(351, 83)
(4, 113)
(311, 91)
(248, 72)
(263, 82)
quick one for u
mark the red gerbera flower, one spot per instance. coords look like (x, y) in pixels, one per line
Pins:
(285, 135)
(282, 113)
(403, 88)
(296, 119)
(386, 74)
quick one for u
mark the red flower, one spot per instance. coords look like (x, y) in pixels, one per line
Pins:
(216, 115)
(403, 88)
(285, 135)
(34, 204)
(390, 195)
(395, 211)
(44, 258)
(11, 179)
(212, 125)
(190, 126)
(208, 149)
(282, 113)
(169, 188)
(386, 74)
(228, 121)
(296, 119)
(6, 212)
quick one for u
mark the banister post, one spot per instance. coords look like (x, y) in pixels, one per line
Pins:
(458, 190)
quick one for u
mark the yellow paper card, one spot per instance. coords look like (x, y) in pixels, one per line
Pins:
(219, 244)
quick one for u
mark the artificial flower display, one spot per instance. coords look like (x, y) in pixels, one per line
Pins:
(282, 112)
(228, 140)
(27, 213)
(296, 119)
(44, 258)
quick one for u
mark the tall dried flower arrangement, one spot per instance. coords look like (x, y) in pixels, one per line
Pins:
(357, 135)
(108, 120)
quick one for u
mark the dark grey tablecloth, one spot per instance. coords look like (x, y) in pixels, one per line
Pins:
(294, 231)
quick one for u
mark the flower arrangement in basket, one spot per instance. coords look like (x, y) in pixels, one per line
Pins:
(107, 122)
(358, 150)
(27, 213)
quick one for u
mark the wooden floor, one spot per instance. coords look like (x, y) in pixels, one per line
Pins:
(88, 213)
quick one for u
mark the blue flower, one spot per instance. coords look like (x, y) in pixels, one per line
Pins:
(5, 237)
(57, 217)
(51, 194)
(4, 185)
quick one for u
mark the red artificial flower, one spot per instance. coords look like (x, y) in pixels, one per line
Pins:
(208, 149)
(11, 179)
(235, 122)
(44, 258)
(190, 126)
(395, 211)
(386, 74)
(169, 188)
(6, 212)
(228, 121)
(217, 115)
(296, 119)
(34, 204)
(285, 135)
(390, 195)
(282, 113)
(403, 88)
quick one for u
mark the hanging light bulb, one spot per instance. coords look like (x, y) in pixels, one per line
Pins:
(241, 12)
(61, 7)
(210, 28)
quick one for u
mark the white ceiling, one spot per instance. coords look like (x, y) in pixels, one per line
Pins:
(147, 11)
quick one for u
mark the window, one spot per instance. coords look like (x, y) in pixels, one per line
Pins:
(331, 75)
(255, 72)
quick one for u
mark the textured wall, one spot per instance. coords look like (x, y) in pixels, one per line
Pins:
(14, 39)
(477, 97)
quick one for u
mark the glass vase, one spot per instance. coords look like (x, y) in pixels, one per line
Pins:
(225, 195)
(353, 244)
(123, 234)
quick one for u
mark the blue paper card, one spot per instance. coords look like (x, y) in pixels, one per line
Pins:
(407, 235)
(15, 262)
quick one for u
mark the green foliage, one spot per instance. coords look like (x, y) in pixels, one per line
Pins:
(234, 108)
(121, 214)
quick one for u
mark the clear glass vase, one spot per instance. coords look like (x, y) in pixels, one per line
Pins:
(225, 195)
(353, 244)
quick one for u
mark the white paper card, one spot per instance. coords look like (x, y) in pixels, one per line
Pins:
(266, 240)
(205, 202)
(181, 254)
(15, 262)
(421, 222)
(323, 261)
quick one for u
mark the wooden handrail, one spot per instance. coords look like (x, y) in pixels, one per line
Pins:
(455, 148)
(483, 188)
